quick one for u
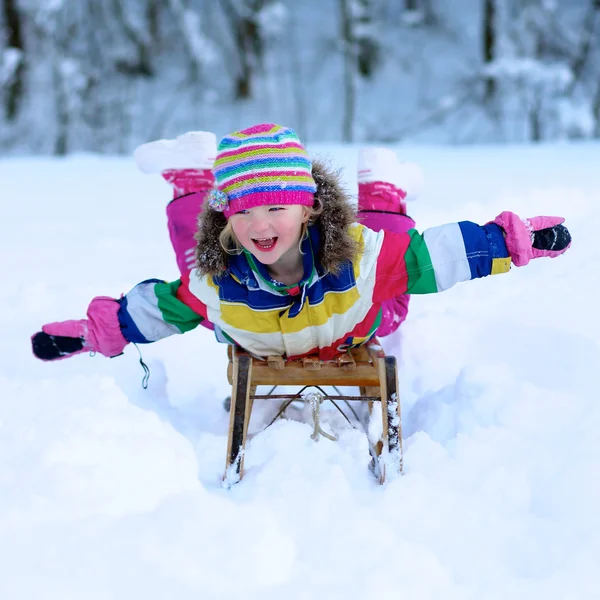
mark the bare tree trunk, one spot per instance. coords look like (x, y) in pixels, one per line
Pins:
(367, 46)
(360, 54)
(62, 113)
(248, 42)
(249, 49)
(587, 38)
(425, 10)
(349, 71)
(431, 18)
(14, 40)
(596, 111)
(186, 18)
(534, 115)
(298, 79)
(152, 16)
(143, 65)
(489, 45)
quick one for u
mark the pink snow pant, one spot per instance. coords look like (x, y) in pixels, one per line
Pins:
(182, 217)
(381, 206)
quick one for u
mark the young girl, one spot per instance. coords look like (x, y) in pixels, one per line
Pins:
(281, 267)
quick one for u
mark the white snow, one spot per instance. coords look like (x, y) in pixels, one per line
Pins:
(192, 150)
(108, 491)
(533, 71)
(381, 164)
(10, 60)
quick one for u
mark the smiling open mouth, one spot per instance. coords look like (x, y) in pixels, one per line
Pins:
(265, 243)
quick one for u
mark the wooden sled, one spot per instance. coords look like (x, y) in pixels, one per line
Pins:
(367, 368)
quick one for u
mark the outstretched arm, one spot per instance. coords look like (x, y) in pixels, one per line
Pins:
(152, 310)
(440, 257)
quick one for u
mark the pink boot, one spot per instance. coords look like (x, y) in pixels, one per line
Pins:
(186, 163)
(384, 184)
(188, 181)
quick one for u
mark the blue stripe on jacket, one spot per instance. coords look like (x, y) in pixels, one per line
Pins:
(129, 329)
(482, 245)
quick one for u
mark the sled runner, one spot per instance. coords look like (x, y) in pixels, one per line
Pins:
(366, 367)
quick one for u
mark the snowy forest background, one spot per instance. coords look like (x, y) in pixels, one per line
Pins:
(106, 75)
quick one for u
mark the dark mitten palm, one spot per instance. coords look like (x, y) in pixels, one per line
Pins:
(533, 238)
(553, 239)
(53, 347)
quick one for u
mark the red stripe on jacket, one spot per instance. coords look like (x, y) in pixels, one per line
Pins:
(391, 277)
(185, 295)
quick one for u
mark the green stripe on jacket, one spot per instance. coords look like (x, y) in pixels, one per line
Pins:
(173, 310)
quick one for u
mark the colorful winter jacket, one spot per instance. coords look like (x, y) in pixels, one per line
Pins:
(324, 313)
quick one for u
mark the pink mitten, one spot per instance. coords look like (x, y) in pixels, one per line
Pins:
(532, 238)
(100, 332)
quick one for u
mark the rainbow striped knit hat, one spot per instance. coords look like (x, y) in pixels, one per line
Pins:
(265, 164)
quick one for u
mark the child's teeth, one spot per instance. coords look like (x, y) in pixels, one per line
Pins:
(265, 242)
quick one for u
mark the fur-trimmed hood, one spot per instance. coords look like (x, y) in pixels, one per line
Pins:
(337, 215)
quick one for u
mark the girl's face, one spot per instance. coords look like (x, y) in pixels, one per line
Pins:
(269, 232)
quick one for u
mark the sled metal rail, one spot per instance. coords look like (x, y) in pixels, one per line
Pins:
(298, 396)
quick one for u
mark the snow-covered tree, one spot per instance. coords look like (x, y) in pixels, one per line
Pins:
(246, 27)
(105, 75)
(361, 54)
(543, 66)
(489, 44)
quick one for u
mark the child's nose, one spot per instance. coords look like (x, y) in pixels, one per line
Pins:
(259, 224)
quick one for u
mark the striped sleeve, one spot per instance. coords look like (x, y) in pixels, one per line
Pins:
(153, 310)
(437, 259)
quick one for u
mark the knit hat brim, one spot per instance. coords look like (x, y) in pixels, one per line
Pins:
(276, 196)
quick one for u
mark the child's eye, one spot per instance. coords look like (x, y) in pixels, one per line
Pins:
(276, 208)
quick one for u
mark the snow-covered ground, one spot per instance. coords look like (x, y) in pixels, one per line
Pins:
(108, 491)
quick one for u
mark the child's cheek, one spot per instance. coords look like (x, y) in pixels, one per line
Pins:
(239, 229)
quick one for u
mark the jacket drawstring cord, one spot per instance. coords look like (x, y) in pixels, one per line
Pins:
(145, 367)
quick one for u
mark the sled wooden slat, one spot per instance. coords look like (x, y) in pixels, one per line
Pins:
(295, 373)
